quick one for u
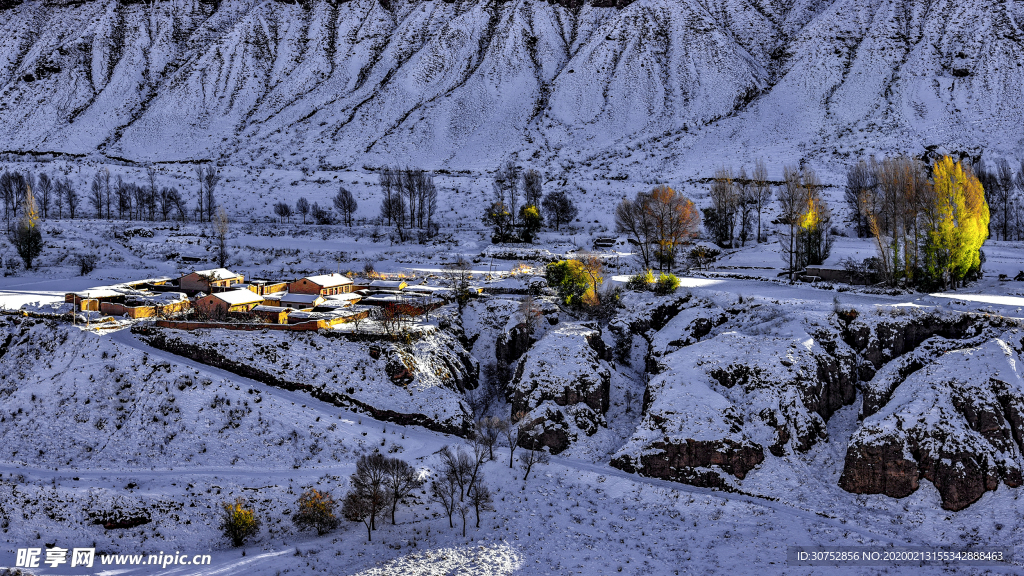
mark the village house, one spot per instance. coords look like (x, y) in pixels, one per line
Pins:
(219, 304)
(388, 285)
(209, 280)
(272, 314)
(122, 300)
(301, 301)
(264, 287)
(324, 285)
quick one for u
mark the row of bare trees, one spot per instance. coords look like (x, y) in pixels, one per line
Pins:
(410, 200)
(805, 235)
(51, 194)
(737, 204)
(110, 196)
(1005, 192)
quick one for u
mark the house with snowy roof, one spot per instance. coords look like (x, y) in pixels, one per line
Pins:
(300, 301)
(220, 303)
(209, 280)
(322, 284)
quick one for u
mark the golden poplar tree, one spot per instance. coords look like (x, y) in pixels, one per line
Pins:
(958, 222)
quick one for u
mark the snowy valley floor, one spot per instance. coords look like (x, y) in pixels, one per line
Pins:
(576, 515)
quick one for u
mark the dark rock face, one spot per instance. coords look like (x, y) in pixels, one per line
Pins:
(881, 342)
(511, 345)
(957, 423)
(682, 461)
(562, 385)
(453, 366)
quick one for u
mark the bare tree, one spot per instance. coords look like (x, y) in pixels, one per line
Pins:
(283, 210)
(390, 185)
(358, 507)
(302, 207)
(428, 202)
(533, 187)
(861, 180)
(460, 466)
(221, 229)
(11, 185)
(747, 202)
(96, 194)
(393, 209)
(506, 188)
(108, 191)
(121, 190)
(531, 457)
(177, 199)
(762, 192)
(530, 312)
(724, 202)
(486, 432)
(480, 498)
(369, 480)
(445, 491)
(44, 191)
(791, 202)
(71, 197)
(515, 432)
(560, 208)
(635, 219)
(459, 274)
(400, 480)
(1003, 196)
(59, 197)
(211, 178)
(346, 205)
(1018, 182)
(200, 172)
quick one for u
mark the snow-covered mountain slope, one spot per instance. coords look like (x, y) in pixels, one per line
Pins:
(669, 87)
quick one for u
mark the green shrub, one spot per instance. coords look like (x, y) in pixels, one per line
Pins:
(641, 281)
(667, 284)
(569, 278)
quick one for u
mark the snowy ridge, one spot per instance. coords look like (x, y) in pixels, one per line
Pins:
(671, 86)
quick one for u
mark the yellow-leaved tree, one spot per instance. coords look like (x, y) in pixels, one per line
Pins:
(957, 221)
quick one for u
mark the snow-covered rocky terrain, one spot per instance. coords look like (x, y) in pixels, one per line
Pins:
(672, 88)
(702, 431)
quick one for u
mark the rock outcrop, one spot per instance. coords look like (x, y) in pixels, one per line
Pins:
(958, 422)
(561, 386)
(421, 383)
(757, 380)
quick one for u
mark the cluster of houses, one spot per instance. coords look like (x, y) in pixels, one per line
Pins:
(222, 294)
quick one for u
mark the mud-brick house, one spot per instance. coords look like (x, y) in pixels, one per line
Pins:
(323, 284)
(209, 280)
(219, 304)
(388, 285)
(272, 314)
(264, 287)
(300, 301)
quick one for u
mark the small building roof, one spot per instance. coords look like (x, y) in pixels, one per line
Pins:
(101, 292)
(329, 280)
(301, 298)
(347, 297)
(394, 284)
(236, 297)
(275, 309)
(215, 274)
